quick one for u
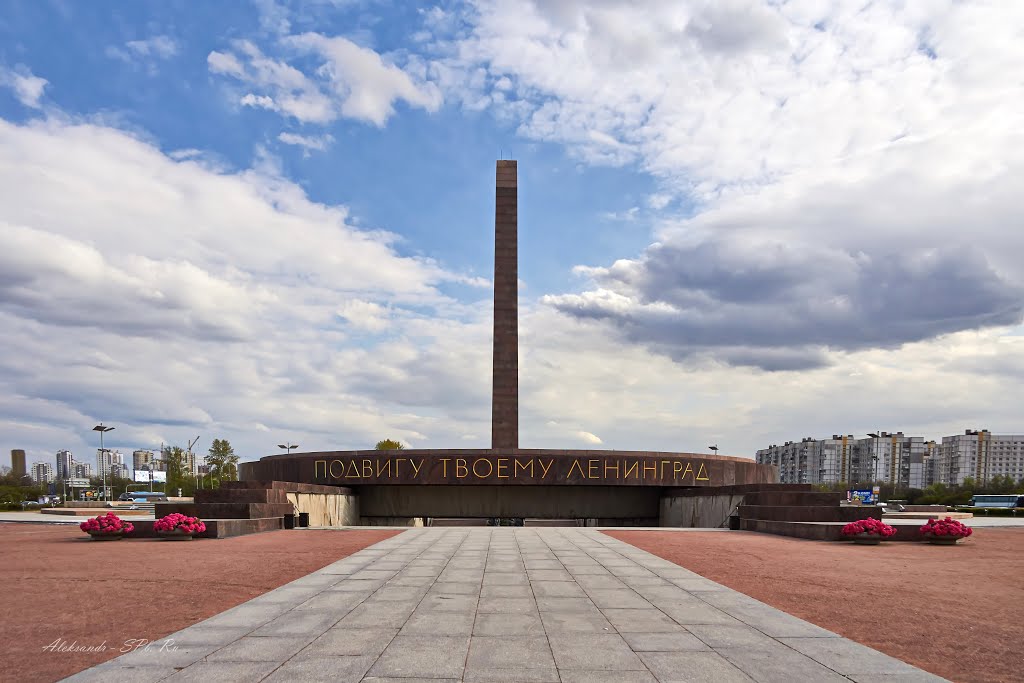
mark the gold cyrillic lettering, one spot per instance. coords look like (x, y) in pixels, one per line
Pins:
(544, 469)
(517, 465)
(609, 467)
(502, 462)
(490, 468)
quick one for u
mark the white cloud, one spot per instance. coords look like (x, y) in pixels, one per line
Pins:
(161, 47)
(225, 63)
(354, 82)
(27, 87)
(285, 89)
(167, 296)
(847, 173)
(308, 142)
(589, 438)
(145, 52)
(365, 315)
(628, 216)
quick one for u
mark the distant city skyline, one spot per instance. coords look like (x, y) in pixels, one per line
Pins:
(271, 222)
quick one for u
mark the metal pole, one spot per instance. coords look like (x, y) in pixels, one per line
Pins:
(103, 470)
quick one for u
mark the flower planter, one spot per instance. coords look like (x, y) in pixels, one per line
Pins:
(178, 527)
(951, 531)
(866, 539)
(942, 540)
(867, 531)
(108, 527)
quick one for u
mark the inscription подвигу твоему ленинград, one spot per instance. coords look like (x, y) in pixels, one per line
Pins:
(431, 469)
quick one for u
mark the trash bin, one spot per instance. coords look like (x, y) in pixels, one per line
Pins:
(303, 519)
(289, 521)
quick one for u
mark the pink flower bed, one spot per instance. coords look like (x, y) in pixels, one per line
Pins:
(106, 524)
(946, 528)
(176, 520)
(869, 526)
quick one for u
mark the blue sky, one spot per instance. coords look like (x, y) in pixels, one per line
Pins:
(741, 222)
(380, 173)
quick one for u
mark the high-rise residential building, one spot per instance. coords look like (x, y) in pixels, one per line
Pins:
(103, 461)
(65, 461)
(142, 459)
(883, 457)
(18, 462)
(42, 473)
(106, 460)
(81, 470)
(118, 470)
(894, 458)
(980, 455)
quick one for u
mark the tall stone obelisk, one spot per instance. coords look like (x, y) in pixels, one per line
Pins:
(505, 365)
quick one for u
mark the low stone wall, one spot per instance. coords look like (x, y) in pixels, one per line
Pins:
(537, 502)
(706, 512)
(710, 508)
(327, 509)
(216, 528)
(91, 512)
(391, 521)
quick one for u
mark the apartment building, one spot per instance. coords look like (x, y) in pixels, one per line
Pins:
(42, 473)
(895, 458)
(980, 455)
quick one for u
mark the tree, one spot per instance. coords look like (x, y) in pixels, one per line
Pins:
(222, 461)
(389, 445)
(178, 476)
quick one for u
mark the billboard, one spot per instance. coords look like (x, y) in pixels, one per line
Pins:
(144, 476)
(863, 496)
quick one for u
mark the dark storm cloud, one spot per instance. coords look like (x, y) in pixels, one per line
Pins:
(780, 307)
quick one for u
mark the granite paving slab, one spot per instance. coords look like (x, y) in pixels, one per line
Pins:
(504, 605)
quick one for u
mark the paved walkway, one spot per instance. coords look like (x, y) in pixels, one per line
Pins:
(527, 605)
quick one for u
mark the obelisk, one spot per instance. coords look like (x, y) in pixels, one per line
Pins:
(505, 364)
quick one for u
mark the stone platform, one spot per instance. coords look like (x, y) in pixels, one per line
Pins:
(497, 604)
(216, 528)
(93, 512)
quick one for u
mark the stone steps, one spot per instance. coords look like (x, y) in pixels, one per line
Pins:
(821, 531)
(226, 510)
(816, 515)
(808, 513)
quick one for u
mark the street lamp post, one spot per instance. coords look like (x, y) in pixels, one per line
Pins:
(101, 429)
(714, 448)
(192, 459)
(287, 446)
